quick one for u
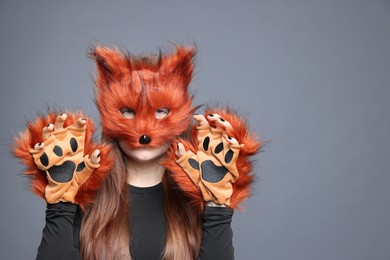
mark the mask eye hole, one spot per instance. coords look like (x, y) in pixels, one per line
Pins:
(127, 112)
(161, 113)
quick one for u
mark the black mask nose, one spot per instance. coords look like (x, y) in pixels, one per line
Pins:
(144, 139)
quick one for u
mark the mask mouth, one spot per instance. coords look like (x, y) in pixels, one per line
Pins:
(144, 139)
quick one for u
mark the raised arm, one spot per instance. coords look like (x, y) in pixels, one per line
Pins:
(64, 167)
(214, 169)
(60, 236)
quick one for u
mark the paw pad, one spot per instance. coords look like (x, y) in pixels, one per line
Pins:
(206, 143)
(73, 144)
(194, 164)
(213, 173)
(62, 152)
(57, 151)
(229, 156)
(219, 148)
(44, 159)
(62, 173)
(80, 167)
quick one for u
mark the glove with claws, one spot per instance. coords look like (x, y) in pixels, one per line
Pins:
(213, 168)
(63, 154)
(215, 165)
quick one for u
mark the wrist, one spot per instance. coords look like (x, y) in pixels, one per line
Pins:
(213, 204)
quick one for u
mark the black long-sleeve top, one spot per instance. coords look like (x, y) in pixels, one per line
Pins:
(60, 236)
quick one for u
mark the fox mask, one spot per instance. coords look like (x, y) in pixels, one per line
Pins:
(144, 100)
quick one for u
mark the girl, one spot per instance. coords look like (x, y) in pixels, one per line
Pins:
(155, 188)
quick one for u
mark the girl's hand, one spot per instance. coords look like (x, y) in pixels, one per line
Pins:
(62, 157)
(62, 161)
(213, 168)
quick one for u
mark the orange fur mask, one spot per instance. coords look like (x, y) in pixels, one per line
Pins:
(141, 87)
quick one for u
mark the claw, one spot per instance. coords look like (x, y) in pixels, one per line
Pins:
(202, 121)
(81, 122)
(95, 157)
(59, 123)
(39, 146)
(219, 122)
(231, 140)
(213, 117)
(180, 150)
(47, 130)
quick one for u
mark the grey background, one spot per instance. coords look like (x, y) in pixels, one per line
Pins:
(312, 77)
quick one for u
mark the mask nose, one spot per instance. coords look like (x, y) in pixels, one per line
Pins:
(144, 139)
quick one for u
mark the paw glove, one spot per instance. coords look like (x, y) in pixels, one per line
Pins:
(215, 165)
(213, 168)
(63, 164)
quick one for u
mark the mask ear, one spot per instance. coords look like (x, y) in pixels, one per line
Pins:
(179, 67)
(111, 65)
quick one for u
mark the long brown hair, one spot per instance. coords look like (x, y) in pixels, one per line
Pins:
(105, 231)
(142, 85)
